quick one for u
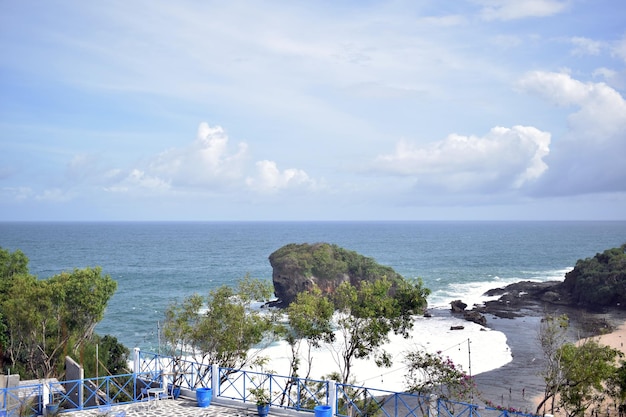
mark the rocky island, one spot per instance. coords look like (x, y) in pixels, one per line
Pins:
(300, 267)
(592, 295)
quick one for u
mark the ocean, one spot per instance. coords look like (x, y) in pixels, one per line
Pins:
(157, 263)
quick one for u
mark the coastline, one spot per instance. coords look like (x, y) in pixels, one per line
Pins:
(614, 339)
(504, 357)
(518, 384)
(474, 348)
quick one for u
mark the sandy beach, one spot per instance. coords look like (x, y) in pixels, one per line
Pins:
(614, 339)
(505, 356)
(474, 348)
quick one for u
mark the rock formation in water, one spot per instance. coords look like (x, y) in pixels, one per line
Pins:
(300, 267)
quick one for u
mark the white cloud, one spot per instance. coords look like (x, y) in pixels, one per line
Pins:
(443, 21)
(589, 157)
(619, 49)
(602, 111)
(519, 9)
(205, 166)
(206, 162)
(17, 193)
(586, 46)
(54, 195)
(137, 180)
(505, 158)
(270, 179)
(613, 78)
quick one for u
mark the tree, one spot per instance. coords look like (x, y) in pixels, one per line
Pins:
(310, 321)
(617, 387)
(112, 356)
(599, 281)
(431, 373)
(47, 319)
(226, 331)
(12, 264)
(551, 337)
(586, 368)
(365, 317)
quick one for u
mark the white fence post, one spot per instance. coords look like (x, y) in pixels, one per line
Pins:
(45, 396)
(136, 364)
(332, 396)
(215, 380)
(432, 405)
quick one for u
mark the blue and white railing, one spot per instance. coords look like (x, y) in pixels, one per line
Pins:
(234, 385)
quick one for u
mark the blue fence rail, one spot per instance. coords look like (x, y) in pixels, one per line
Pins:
(283, 391)
(152, 370)
(23, 400)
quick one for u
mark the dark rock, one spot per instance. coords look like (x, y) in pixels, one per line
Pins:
(519, 296)
(458, 306)
(476, 317)
(457, 327)
(551, 297)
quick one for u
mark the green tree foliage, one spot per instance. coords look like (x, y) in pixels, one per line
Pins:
(12, 264)
(431, 373)
(221, 328)
(552, 336)
(310, 322)
(599, 281)
(365, 317)
(112, 356)
(327, 261)
(48, 319)
(586, 368)
(616, 386)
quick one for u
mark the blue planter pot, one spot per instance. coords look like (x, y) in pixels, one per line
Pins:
(203, 395)
(263, 410)
(51, 409)
(174, 391)
(323, 411)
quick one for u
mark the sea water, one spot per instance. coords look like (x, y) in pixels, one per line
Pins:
(157, 263)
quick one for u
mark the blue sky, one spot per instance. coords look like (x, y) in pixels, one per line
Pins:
(320, 110)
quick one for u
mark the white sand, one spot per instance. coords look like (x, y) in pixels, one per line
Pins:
(615, 339)
(487, 349)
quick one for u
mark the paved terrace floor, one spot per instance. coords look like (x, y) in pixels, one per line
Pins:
(184, 408)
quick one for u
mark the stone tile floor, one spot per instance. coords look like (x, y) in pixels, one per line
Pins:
(181, 407)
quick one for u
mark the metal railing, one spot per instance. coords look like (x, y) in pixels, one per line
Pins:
(283, 391)
(21, 400)
(152, 370)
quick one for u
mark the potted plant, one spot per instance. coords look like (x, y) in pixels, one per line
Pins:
(262, 398)
(173, 389)
(52, 410)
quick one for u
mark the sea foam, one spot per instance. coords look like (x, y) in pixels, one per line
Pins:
(474, 348)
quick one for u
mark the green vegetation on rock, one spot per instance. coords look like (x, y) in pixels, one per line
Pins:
(301, 267)
(599, 281)
(329, 261)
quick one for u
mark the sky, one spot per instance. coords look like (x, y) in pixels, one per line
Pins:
(312, 110)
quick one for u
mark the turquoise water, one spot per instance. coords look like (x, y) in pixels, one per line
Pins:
(157, 263)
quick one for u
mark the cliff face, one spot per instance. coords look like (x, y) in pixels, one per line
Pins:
(300, 267)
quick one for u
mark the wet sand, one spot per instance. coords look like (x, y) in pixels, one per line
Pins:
(516, 383)
(614, 339)
(519, 384)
